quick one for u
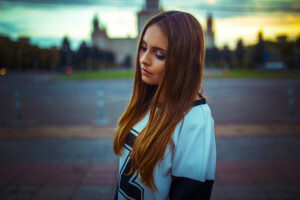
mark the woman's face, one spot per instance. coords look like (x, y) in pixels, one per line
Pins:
(152, 55)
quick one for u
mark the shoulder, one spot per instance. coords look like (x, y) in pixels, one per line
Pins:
(198, 115)
(197, 121)
(194, 153)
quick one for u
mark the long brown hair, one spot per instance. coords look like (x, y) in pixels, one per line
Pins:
(181, 80)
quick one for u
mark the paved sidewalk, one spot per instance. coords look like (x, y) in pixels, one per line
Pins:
(76, 163)
(85, 132)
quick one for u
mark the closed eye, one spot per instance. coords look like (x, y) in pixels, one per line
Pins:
(161, 57)
(157, 51)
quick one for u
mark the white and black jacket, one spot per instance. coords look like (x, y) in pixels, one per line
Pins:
(188, 168)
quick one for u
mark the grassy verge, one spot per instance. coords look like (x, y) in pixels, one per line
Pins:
(128, 74)
(118, 74)
(260, 74)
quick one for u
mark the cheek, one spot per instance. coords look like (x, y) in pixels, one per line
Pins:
(140, 55)
(161, 69)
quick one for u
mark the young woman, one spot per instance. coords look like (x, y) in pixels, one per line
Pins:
(165, 138)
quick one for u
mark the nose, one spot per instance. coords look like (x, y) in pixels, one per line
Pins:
(145, 58)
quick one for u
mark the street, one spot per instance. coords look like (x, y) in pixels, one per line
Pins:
(46, 101)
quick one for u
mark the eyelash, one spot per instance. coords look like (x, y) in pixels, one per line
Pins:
(158, 56)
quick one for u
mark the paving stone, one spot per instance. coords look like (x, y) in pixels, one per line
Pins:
(258, 149)
(100, 150)
(32, 179)
(3, 196)
(247, 168)
(17, 193)
(255, 166)
(7, 178)
(237, 177)
(244, 192)
(227, 166)
(28, 188)
(94, 192)
(67, 179)
(58, 150)
(54, 193)
(7, 189)
(97, 178)
(44, 168)
(269, 177)
(219, 192)
(282, 192)
(103, 167)
(74, 167)
(19, 196)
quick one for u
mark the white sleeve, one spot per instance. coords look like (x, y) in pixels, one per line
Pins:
(194, 155)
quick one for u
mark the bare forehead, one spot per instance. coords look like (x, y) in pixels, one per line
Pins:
(155, 37)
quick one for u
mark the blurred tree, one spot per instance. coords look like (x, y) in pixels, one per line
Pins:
(81, 56)
(83, 52)
(226, 57)
(94, 57)
(127, 61)
(286, 50)
(258, 53)
(25, 54)
(213, 57)
(65, 54)
(297, 43)
(240, 53)
(54, 58)
(297, 54)
(21, 55)
(100, 58)
(43, 59)
(7, 52)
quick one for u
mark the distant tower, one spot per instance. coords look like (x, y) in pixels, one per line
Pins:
(152, 4)
(99, 36)
(65, 54)
(152, 8)
(209, 33)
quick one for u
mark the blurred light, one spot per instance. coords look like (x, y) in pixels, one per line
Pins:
(69, 70)
(211, 1)
(2, 71)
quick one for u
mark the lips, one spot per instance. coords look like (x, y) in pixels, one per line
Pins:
(145, 72)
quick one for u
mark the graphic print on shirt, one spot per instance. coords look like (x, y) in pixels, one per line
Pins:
(128, 185)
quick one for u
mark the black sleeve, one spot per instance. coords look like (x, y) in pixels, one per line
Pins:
(183, 188)
(116, 193)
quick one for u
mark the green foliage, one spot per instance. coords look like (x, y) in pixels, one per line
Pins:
(22, 56)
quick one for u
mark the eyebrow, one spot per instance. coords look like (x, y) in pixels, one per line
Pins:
(154, 47)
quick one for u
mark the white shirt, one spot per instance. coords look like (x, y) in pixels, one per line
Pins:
(187, 170)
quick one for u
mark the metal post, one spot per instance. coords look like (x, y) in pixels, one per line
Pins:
(18, 106)
(101, 120)
(291, 103)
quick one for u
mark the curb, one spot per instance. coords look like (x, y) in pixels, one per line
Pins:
(107, 132)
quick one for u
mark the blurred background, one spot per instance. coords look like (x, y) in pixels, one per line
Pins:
(66, 76)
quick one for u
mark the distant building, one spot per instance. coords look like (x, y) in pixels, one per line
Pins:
(24, 39)
(209, 33)
(125, 48)
(150, 10)
(65, 54)
(281, 39)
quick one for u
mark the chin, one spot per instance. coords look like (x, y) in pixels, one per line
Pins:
(149, 81)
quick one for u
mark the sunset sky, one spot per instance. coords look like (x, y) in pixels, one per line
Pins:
(46, 22)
